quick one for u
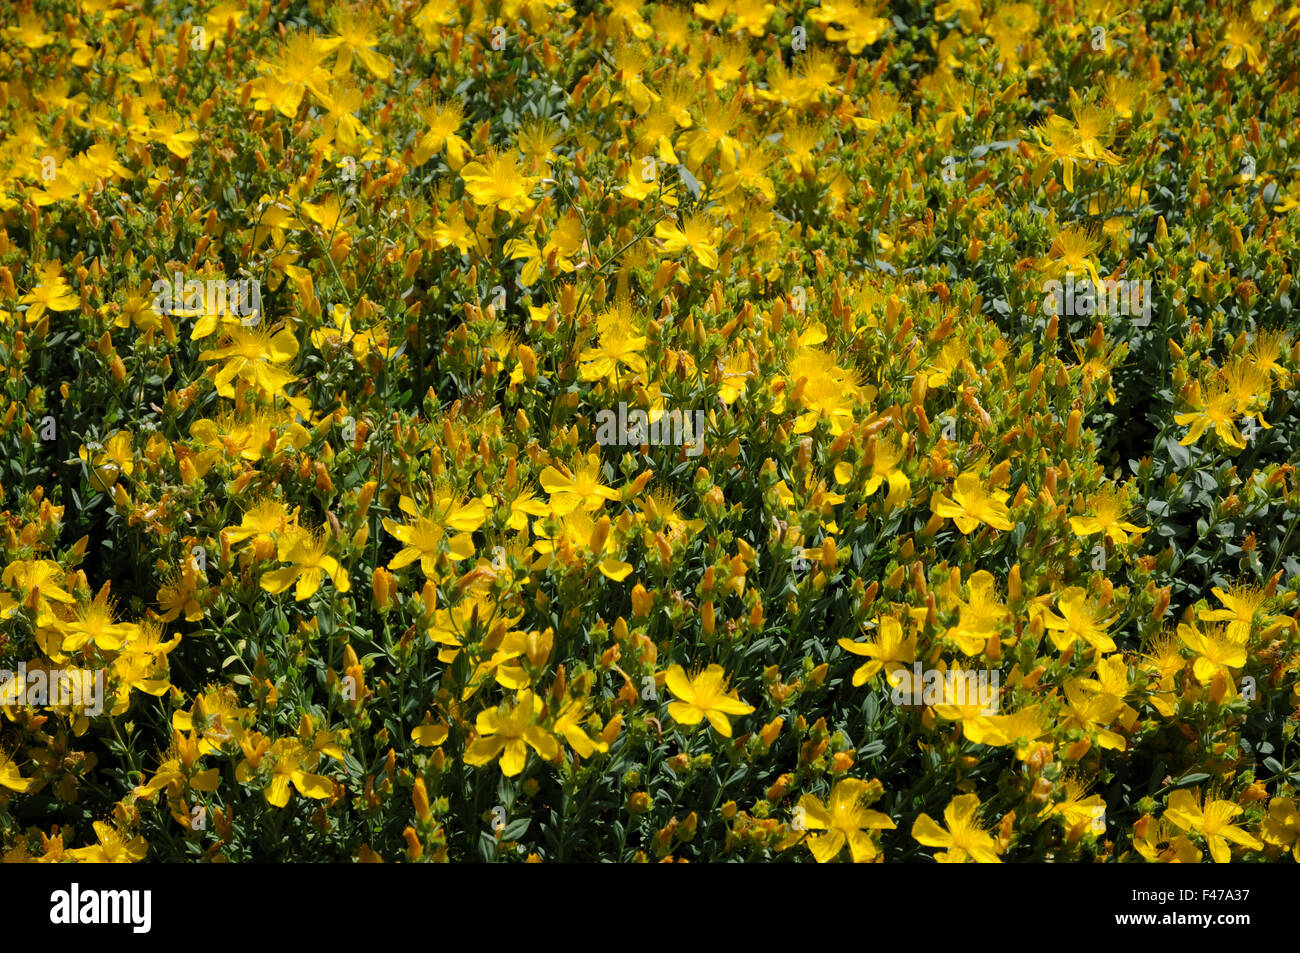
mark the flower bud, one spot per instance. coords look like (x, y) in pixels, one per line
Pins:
(421, 798)
(642, 602)
(384, 584)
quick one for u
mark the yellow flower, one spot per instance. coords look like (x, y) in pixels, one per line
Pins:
(579, 532)
(1107, 506)
(828, 394)
(1240, 41)
(217, 719)
(1023, 729)
(217, 18)
(945, 363)
(508, 732)
(890, 650)
(1080, 618)
(979, 617)
(578, 488)
(252, 354)
(1213, 822)
(568, 724)
(1076, 809)
(964, 838)
(619, 347)
(629, 61)
(11, 777)
(114, 458)
(424, 537)
(1162, 843)
(39, 576)
(971, 504)
(53, 293)
(846, 821)
(355, 34)
(1057, 143)
(497, 180)
(1282, 826)
(295, 69)
(703, 695)
(93, 622)
(736, 372)
(179, 141)
(1218, 410)
(800, 140)
(443, 119)
(859, 27)
(113, 847)
(306, 551)
(177, 778)
(263, 521)
(248, 437)
(885, 468)
(1089, 713)
(695, 235)
(1240, 605)
(476, 612)
(343, 333)
(67, 185)
(1216, 652)
(141, 671)
(30, 32)
(290, 765)
(1112, 682)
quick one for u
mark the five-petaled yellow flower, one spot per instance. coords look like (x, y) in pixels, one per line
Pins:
(703, 695)
(964, 838)
(1213, 822)
(508, 732)
(972, 504)
(307, 552)
(846, 821)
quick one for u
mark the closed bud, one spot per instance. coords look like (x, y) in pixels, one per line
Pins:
(421, 798)
(413, 849)
(539, 645)
(384, 584)
(528, 361)
(829, 554)
(769, 732)
(779, 788)
(611, 730)
(364, 499)
(642, 602)
(1078, 749)
(600, 535)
